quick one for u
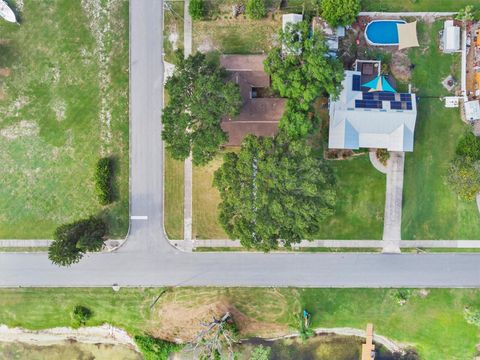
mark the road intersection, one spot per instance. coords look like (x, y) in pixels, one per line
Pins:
(147, 258)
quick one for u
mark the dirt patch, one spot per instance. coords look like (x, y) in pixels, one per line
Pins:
(173, 36)
(206, 46)
(23, 128)
(182, 323)
(5, 72)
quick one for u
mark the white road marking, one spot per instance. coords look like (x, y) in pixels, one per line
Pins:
(138, 217)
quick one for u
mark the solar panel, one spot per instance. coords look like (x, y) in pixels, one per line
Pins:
(386, 96)
(396, 105)
(356, 82)
(368, 104)
(409, 105)
(406, 97)
(367, 96)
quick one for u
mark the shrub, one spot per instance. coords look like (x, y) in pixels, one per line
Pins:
(81, 314)
(472, 316)
(469, 145)
(196, 9)
(155, 349)
(340, 12)
(383, 155)
(72, 240)
(401, 296)
(261, 353)
(103, 180)
(256, 9)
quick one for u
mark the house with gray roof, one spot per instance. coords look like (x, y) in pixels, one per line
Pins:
(369, 113)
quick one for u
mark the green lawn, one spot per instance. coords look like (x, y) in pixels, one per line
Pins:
(205, 201)
(174, 185)
(236, 36)
(360, 201)
(415, 5)
(61, 108)
(431, 321)
(431, 209)
(173, 29)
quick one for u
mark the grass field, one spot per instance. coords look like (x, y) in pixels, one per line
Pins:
(431, 320)
(431, 209)
(205, 201)
(415, 5)
(236, 36)
(173, 29)
(174, 197)
(63, 104)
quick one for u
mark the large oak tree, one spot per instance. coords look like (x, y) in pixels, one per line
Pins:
(199, 97)
(302, 70)
(273, 190)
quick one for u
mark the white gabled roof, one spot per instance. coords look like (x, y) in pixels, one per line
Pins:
(353, 128)
(451, 39)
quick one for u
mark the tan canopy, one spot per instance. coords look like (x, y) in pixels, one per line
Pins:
(407, 35)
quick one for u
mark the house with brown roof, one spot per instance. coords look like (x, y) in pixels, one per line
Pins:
(261, 110)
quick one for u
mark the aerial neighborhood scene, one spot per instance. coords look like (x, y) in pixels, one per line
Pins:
(240, 179)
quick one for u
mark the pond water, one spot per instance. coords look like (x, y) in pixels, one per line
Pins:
(322, 347)
(67, 350)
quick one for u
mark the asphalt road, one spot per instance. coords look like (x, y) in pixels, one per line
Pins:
(147, 259)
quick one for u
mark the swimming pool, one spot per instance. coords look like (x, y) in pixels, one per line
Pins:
(382, 32)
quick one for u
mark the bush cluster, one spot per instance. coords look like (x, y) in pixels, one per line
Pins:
(196, 9)
(81, 314)
(155, 349)
(464, 171)
(256, 9)
(103, 180)
(383, 155)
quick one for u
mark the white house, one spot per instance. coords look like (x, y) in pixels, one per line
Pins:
(370, 114)
(451, 37)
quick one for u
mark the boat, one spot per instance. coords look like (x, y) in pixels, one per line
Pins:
(6, 12)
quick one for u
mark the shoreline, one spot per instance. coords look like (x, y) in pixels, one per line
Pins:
(104, 334)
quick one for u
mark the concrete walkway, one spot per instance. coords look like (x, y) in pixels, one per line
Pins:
(393, 203)
(187, 210)
(25, 243)
(410, 14)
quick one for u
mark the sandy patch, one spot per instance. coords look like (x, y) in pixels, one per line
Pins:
(5, 71)
(105, 334)
(173, 36)
(21, 129)
(59, 107)
(206, 45)
(182, 323)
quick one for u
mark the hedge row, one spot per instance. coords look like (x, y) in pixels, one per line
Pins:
(103, 180)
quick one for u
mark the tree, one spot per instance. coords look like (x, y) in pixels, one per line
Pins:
(72, 241)
(295, 120)
(469, 146)
(300, 69)
(199, 99)
(196, 9)
(81, 314)
(464, 177)
(340, 12)
(155, 349)
(256, 9)
(273, 190)
(261, 353)
(216, 339)
(466, 14)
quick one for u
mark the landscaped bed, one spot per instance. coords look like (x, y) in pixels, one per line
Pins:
(63, 106)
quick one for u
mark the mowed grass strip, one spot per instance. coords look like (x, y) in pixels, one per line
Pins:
(52, 130)
(174, 199)
(431, 210)
(205, 202)
(413, 5)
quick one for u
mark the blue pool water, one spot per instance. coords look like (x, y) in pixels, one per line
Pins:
(383, 32)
